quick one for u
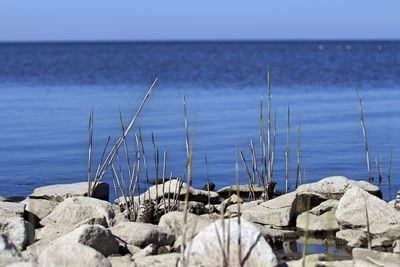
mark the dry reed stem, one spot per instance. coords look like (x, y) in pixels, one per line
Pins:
(287, 151)
(298, 153)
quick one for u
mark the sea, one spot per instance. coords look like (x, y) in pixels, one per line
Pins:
(47, 91)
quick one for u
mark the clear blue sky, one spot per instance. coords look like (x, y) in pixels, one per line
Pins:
(198, 20)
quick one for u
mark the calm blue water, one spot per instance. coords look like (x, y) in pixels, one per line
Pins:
(47, 91)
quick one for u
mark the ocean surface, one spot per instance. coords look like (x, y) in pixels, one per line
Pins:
(48, 89)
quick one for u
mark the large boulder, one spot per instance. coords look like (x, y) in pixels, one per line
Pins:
(71, 255)
(142, 234)
(174, 222)
(75, 210)
(11, 209)
(20, 232)
(208, 246)
(319, 219)
(174, 189)
(384, 221)
(370, 258)
(279, 212)
(36, 209)
(60, 192)
(334, 187)
(95, 236)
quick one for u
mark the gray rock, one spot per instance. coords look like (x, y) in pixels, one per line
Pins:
(371, 258)
(53, 231)
(318, 260)
(71, 255)
(334, 187)
(396, 246)
(278, 212)
(11, 209)
(320, 218)
(121, 261)
(352, 238)
(20, 232)
(60, 192)
(163, 260)
(95, 236)
(174, 222)
(276, 236)
(75, 210)
(244, 191)
(37, 209)
(233, 209)
(205, 248)
(232, 200)
(142, 234)
(8, 252)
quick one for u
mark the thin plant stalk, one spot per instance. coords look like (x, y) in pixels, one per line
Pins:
(368, 229)
(390, 163)
(287, 151)
(364, 132)
(238, 206)
(298, 154)
(119, 142)
(90, 147)
(208, 186)
(273, 147)
(269, 176)
(251, 191)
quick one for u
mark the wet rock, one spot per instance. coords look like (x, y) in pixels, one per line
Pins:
(244, 191)
(366, 257)
(37, 209)
(71, 255)
(163, 260)
(142, 234)
(278, 212)
(204, 248)
(75, 210)
(60, 192)
(320, 218)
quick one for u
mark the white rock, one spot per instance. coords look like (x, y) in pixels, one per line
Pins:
(163, 260)
(72, 255)
(8, 252)
(320, 218)
(279, 211)
(37, 209)
(244, 191)
(206, 249)
(142, 234)
(60, 192)
(20, 232)
(95, 236)
(11, 209)
(75, 210)
(371, 258)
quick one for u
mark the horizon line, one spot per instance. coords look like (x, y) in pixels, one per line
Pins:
(202, 40)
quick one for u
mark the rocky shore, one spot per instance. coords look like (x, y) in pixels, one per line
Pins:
(59, 225)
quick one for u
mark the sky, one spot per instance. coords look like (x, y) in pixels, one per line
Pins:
(89, 20)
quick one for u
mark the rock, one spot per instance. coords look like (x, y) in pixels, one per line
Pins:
(396, 246)
(121, 261)
(244, 191)
(317, 260)
(142, 234)
(334, 187)
(11, 209)
(192, 206)
(208, 186)
(163, 260)
(37, 209)
(320, 218)
(171, 188)
(33, 251)
(71, 255)
(370, 188)
(60, 192)
(8, 252)
(95, 236)
(75, 210)
(276, 236)
(20, 232)
(351, 210)
(206, 249)
(149, 250)
(232, 200)
(352, 238)
(366, 258)
(22, 264)
(173, 222)
(53, 231)
(233, 209)
(278, 212)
